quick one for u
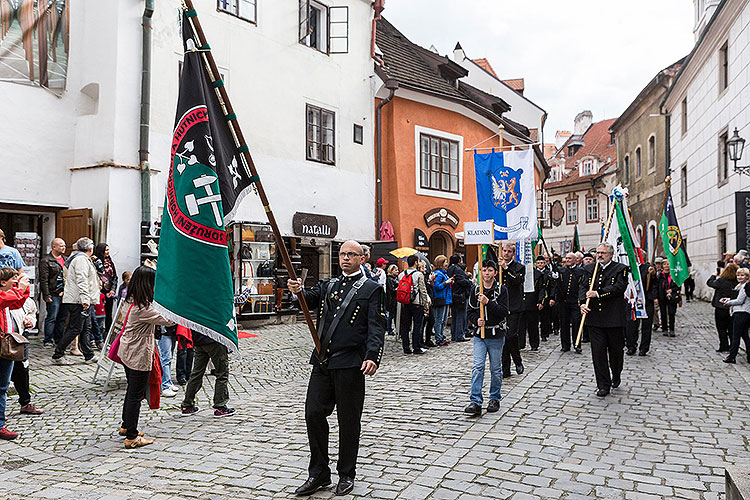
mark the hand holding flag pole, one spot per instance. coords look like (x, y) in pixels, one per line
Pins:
(596, 270)
(218, 84)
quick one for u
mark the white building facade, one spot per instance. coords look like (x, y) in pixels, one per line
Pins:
(707, 101)
(285, 76)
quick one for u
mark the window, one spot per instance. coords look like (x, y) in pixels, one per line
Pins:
(324, 28)
(724, 67)
(244, 9)
(723, 163)
(588, 167)
(438, 164)
(684, 116)
(638, 162)
(571, 211)
(626, 167)
(554, 175)
(639, 235)
(683, 185)
(320, 135)
(722, 241)
(592, 209)
(652, 154)
(358, 134)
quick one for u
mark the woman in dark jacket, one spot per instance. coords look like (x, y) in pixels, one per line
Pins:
(724, 285)
(108, 275)
(391, 284)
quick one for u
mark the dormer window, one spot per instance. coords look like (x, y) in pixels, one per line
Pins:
(588, 167)
(554, 175)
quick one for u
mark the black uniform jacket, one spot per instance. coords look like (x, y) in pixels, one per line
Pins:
(650, 284)
(568, 284)
(609, 310)
(495, 311)
(360, 333)
(532, 299)
(667, 283)
(512, 279)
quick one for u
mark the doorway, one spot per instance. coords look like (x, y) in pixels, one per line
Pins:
(440, 244)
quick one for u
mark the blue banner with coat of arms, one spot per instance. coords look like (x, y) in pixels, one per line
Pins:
(506, 194)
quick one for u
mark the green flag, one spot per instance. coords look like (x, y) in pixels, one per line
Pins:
(576, 241)
(673, 244)
(206, 181)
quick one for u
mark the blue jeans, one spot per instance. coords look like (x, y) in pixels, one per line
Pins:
(458, 322)
(441, 317)
(166, 344)
(482, 347)
(389, 317)
(52, 309)
(6, 369)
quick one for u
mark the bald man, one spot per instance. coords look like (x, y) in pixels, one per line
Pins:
(351, 327)
(51, 283)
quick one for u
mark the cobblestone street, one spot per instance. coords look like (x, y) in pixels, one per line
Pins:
(679, 417)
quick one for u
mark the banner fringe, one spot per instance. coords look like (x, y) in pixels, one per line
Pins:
(230, 216)
(213, 335)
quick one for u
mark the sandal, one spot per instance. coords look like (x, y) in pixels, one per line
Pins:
(137, 442)
(124, 432)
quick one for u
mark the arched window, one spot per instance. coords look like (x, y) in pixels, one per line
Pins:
(627, 169)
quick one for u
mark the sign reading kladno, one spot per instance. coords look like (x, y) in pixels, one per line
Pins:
(441, 216)
(315, 225)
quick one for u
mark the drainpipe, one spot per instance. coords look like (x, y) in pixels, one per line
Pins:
(391, 84)
(148, 11)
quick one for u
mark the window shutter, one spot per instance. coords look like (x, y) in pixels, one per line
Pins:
(338, 30)
(304, 20)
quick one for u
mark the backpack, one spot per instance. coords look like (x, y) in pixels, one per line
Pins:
(405, 293)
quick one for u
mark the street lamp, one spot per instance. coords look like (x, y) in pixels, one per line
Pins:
(735, 145)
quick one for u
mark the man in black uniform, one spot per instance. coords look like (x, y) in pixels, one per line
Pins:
(512, 277)
(351, 327)
(533, 302)
(570, 313)
(550, 296)
(650, 284)
(605, 316)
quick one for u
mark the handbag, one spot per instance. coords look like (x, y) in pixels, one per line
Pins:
(263, 234)
(265, 270)
(265, 288)
(12, 346)
(248, 234)
(115, 347)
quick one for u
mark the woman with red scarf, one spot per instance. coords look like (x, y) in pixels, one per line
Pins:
(670, 293)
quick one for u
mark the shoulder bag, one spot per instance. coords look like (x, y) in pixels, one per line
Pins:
(12, 346)
(112, 354)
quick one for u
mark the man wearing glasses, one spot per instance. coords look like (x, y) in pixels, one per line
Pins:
(605, 317)
(351, 327)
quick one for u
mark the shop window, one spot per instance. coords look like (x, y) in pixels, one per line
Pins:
(321, 135)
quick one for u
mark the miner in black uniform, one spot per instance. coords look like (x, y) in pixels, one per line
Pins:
(351, 327)
(650, 284)
(512, 277)
(570, 313)
(550, 297)
(533, 302)
(605, 316)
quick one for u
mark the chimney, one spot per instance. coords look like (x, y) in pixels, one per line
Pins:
(560, 137)
(458, 53)
(582, 122)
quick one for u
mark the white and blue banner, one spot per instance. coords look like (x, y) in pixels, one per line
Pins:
(505, 192)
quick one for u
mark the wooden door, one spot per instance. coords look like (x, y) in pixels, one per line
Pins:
(74, 224)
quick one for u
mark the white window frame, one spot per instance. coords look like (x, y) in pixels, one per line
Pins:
(585, 170)
(592, 206)
(568, 212)
(417, 163)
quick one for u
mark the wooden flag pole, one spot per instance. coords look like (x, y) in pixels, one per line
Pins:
(234, 126)
(480, 280)
(596, 270)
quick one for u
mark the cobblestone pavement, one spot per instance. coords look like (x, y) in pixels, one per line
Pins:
(680, 416)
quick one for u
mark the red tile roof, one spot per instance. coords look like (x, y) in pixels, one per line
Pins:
(516, 84)
(597, 144)
(485, 64)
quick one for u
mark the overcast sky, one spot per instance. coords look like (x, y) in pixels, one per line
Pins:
(573, 54)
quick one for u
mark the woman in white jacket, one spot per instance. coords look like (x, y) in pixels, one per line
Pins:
(740, 316)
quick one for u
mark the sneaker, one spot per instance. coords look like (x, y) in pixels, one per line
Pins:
(168, 393)
(60, 361)
(7, 435)
(223, 411)
(189, 410)
(47, 345)
(30, 409)
(419, 350)
(91, 361)
(493, 406)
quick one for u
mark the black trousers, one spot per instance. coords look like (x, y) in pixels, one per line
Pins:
(671, 308)
(529, 324)
(545, 320)
(131, 408)
(723, 327)
(343, 389)
(631, 332)
(412, 316)
(20, 378)
(109, 305)
(739, 331)
(570, 319)
(663, 314)
(511, 347)
(606, 352)
(78, 326)
(184, 363)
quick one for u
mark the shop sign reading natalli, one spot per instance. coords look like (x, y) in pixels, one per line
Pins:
(315, 225)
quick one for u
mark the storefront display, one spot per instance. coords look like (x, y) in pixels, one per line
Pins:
(252, 254)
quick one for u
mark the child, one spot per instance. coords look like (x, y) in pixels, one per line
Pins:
(100, 315)
(123, 291)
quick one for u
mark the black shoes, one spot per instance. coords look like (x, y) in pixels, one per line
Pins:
(313, 484)
(430, 343)
(722, 349)
(535, 348)
(519, 369)
(507, 373)
(641, 353)
(671, 333)
(493, 406)
(565, 349)
(345, 486)
(407, 351)
(579, 350)
(630, 352)
(615, 383)
(419, 350)
(602, 392)
(475, 409)
(730, 360)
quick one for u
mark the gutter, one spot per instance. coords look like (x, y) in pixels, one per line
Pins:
(143, 145)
